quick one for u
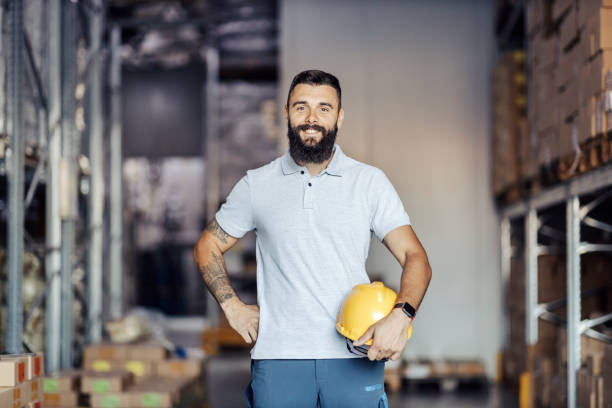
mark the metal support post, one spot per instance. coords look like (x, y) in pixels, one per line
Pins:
(573, 297)
(213, 188)
(116, 181)
(68, 178)
(53, 237)
(95, 221)
(531, 278)
(15, 185)
(506, 264)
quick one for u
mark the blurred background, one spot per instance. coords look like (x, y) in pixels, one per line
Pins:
(124, 124)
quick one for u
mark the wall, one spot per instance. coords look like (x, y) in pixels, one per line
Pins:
(416, 85)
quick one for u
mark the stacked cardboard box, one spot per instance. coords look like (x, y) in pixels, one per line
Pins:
(569, 93)
(141, 360)
(140, 375)
(20, 380)
(509, 121)
(61, 389)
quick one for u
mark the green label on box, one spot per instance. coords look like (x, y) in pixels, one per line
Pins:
(50, 385)
(100, 386)
(110, 401)
(151, 400)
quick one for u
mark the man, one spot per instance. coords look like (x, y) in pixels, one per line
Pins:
(314, 210)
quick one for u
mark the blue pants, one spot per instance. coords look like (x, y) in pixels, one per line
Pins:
(332, 383)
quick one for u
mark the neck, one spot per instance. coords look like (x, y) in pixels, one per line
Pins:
(316, 168)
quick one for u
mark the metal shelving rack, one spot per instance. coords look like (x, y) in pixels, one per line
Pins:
(599, 183)
(59, 143)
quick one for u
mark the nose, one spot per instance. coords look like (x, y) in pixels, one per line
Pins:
(312, 117)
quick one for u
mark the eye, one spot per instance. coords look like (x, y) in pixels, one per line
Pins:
(299, 108)
(325, 109)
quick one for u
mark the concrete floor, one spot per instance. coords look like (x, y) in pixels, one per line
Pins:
(229, 374)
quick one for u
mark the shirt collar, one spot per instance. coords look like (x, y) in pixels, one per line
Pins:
(334, 167)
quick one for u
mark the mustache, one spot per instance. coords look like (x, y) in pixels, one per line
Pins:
(311, 127)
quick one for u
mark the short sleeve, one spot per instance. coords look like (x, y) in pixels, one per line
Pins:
(235, 216)
(387, 210)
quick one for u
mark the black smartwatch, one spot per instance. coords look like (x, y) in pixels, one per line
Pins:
(406, 308)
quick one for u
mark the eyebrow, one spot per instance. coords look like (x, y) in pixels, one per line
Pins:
(304, 102)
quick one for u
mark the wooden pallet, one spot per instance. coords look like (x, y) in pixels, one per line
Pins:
(218, 337)
(594, 153)
(445, 375)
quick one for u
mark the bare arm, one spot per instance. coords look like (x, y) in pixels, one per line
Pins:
(390, 334)
(208, 256)
(416, 271)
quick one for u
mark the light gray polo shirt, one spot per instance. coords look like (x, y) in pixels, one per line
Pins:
(313, 237)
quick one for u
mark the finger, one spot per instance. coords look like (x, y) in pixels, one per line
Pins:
(365, 337)
(246, 337)
(396, 356)
(253, 333)
(372, 353)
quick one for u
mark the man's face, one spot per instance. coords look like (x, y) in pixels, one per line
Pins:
(313, 119)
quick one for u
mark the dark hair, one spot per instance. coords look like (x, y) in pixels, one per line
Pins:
(316, 77)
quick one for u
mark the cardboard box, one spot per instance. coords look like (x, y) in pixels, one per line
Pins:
(544, 52)
(177, 368)
(548, 149)
(568, 138)
(26, 392)
(156, 399)
(6, 397)
(36, 389)
(63, 399)
(115, 400)
(569, 101)
(109, 382)
(598, 31)
(568, 28)
(106, 352)
(15, 397)
(12, 371)
(569, 67)
(34, 363)
(101, 366)
(590, 8)
(61, 382)
(147, 352)
(599, 68)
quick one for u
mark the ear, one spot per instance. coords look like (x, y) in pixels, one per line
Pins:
(340, 117)
(286, 114)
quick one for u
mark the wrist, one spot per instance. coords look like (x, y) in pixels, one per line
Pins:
(228, 306)
(407, 309)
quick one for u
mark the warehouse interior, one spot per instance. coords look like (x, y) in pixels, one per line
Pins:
(125, 125)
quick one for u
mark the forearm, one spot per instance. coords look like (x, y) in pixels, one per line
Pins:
(211, 265)
(415, 279)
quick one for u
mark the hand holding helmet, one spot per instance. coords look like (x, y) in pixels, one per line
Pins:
(367, 318)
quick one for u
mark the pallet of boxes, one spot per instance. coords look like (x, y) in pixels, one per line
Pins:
(129, 376)
(21, 380)
(570, 85)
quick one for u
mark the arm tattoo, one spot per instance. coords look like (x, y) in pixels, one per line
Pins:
(217, 231)
(216, 279)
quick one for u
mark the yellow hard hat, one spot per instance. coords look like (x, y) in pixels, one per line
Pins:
(365, 305)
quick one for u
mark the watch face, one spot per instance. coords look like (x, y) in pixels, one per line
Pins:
(406, 308)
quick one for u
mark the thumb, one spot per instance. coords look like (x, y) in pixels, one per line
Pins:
(365, 337)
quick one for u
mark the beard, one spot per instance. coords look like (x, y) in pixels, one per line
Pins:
(317, 153)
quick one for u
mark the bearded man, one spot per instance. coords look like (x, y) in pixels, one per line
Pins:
(314, 211)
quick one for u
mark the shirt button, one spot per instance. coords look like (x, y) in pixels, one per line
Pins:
(309, 184)
(302, 171)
